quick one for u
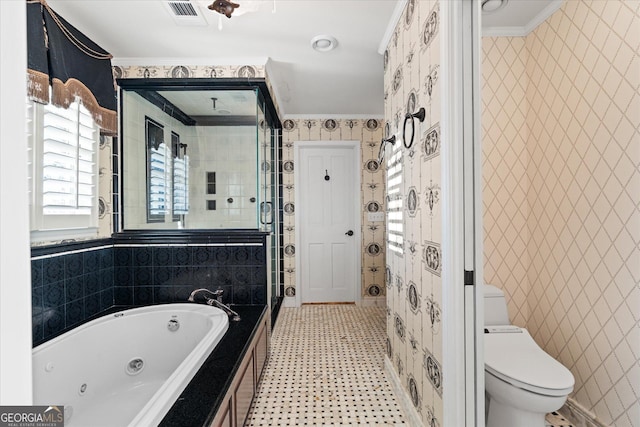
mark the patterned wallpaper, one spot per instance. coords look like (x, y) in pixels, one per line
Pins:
(188, 71)
(105, 187)
(369, 132)
(413, 278)
(504, 167)
(562, 195)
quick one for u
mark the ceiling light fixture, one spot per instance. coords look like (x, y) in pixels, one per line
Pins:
(224, 7)
(324, 43)
(227, 8)
(491, 6)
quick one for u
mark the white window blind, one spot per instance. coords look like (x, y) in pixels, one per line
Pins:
(63, 168)
(394, 200)
(181, 185)
(158, 180)
(68, 161)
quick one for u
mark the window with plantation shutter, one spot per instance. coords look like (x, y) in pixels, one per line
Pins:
(63, 171)
(180, 177)
(395, 234)
(157, 167)
(167, 174)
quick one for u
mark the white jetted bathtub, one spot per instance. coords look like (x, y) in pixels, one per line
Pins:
(126, 368)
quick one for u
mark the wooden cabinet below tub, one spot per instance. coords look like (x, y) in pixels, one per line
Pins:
(237, 401)
(261, 350)
(225, 414)
(244, 390)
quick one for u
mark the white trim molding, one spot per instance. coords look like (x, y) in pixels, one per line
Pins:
(290, 302)
(15, 268)
(368, 301)
(460, 398)
(578, 415)
(140, 62)
(391, 26)
(512, 31)
(403, 399)
(333, 116)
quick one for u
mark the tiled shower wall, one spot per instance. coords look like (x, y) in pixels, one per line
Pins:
(369, 132)
(562, 194)
(414, 281)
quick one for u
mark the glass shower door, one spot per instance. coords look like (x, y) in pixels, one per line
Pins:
(268, 212)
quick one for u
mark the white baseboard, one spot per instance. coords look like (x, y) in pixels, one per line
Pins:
(372, 302)
(403, 399)
(578, 415)
(571, 410)
(289, 302)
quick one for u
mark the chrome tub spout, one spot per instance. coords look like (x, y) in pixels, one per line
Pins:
(216, 301)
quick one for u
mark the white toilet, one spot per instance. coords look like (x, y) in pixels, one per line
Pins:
(522, 382)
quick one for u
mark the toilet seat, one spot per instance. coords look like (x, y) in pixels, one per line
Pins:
(511, 354)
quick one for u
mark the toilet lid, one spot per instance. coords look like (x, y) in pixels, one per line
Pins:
(513, 356)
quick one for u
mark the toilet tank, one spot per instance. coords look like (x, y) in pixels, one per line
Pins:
(495, 307)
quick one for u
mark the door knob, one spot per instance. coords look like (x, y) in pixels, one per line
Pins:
(349, 233)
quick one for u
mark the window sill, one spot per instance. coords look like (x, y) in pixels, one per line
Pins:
(45, 237)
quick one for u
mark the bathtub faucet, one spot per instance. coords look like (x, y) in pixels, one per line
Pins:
(215, 302)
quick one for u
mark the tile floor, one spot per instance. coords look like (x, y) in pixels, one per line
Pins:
(326, 369)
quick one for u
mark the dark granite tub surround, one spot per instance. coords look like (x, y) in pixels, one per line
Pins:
(203, 396)
(70, 283)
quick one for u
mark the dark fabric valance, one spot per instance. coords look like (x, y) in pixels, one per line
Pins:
(62, 57)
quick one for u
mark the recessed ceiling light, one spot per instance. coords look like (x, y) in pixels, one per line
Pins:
(490, 6)
(324, 43)
(223, 111)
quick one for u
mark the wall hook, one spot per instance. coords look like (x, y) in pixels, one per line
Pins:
(420, 115)
(326, 175)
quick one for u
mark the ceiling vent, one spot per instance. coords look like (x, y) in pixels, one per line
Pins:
(184, 12)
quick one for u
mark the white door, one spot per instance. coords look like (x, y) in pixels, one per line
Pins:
(327, 194)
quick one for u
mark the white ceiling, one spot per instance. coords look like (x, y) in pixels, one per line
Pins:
(347, 81)
(200, 102)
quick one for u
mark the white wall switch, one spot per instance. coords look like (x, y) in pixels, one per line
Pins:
(375, 216)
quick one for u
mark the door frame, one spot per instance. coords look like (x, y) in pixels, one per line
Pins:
(463, 304)
(354, 146)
